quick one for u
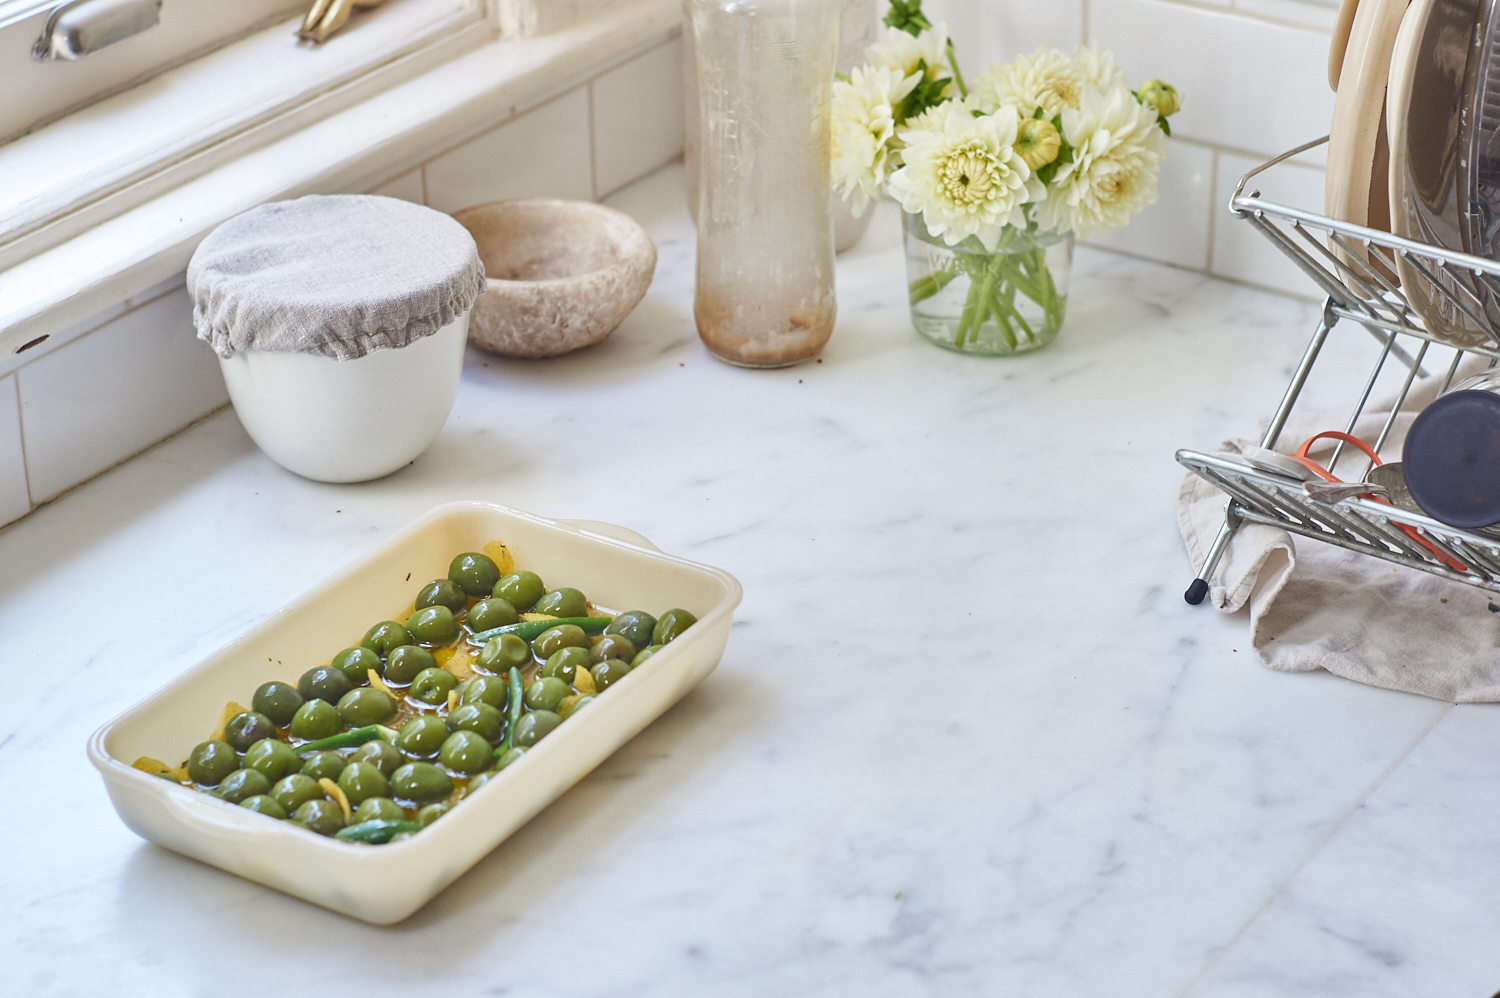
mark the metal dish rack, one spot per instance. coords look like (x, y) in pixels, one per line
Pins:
(1337, 257)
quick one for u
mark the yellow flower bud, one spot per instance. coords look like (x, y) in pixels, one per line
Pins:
(1162, 96)
(1037, 142)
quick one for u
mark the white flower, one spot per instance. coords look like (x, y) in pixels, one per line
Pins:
(1096, 67)
(864, 131)
(965, 177)
(901, 52)
(1046, 79)
(1117, 149)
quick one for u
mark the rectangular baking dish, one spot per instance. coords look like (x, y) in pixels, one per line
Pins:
(384, 884)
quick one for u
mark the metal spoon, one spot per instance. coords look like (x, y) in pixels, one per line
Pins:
(1335, 492)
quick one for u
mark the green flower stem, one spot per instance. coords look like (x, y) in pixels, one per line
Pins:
(925, 287)
(958, 77)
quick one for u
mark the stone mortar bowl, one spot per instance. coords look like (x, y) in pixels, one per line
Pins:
(562, 274)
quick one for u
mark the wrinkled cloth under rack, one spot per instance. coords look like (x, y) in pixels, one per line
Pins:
(1318, 606)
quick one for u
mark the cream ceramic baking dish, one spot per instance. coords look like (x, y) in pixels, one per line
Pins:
(383, 884)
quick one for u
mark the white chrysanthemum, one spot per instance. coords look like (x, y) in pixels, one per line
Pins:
(933, 117)
(864, 131)
(1096, 67)
(1046, 79)
(902, 52)
(1117, 149)
(965, 177)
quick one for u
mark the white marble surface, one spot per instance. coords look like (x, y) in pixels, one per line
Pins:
(966, 739)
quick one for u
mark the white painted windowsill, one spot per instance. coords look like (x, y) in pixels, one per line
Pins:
(356, 148)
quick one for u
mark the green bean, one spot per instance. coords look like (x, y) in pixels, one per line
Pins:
(375, 831)
(529, 630)
(349, 739)
(513, 709)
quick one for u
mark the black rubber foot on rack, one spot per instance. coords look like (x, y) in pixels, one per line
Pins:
(1196, 592)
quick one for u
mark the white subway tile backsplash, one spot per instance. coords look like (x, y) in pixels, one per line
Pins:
(637, 117)
(1308, 13)
(1016, 27)
(1239, 250)
(15, 500)
(1250, 85)
(407, 187)
(543, 153)
(121, 388)
(1175, 229)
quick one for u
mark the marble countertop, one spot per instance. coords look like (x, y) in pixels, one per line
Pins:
(967, 739)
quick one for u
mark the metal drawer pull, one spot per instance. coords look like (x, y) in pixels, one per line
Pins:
(78, 27)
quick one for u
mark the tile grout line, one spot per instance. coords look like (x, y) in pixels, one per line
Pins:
(1314, 851)
(36, 506)
(21, 432)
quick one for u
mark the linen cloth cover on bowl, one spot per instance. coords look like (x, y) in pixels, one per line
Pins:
(337, 276)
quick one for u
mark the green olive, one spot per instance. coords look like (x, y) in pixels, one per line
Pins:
(422, 737)
(385, 637)
(533, 727)
(316, 719)
(609, 672)
(278, 701)
(273, 757)
(432, 812)
(492, 612)
(378, 809)
(400, 837)
(324, 683)
(321, 816)
(405, 662)
(480, 718)
(671, 624)
(475, 573)
(211, 761)
(501, 654)
(291, 792)
(635, 625)
(366, 706)
(243, 783)
(442, 592)
(565, 662)
(520, 589)
(475, 782)
(324, 765)
(563, 602)
(546, 694)
(432, 685)
(491, 690)
(612, 646)
(360, 781)
(554, 639)
(467, 753)
(264, 804)
(433, 626)
(355, 663)
(246, 728)
(421, 781)
(509, 756)
(379, 753)
(644, 654)
(574, 708)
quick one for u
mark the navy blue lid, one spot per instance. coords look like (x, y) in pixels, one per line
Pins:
(1451, 460)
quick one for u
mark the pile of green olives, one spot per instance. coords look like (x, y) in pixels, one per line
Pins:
(390, 734)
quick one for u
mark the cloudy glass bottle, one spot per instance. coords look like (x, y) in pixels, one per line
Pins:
(764, 295)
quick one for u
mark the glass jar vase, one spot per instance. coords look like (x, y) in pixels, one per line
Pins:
(999, 304)
(764, 294)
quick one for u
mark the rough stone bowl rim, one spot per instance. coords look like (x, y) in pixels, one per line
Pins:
(637, 232)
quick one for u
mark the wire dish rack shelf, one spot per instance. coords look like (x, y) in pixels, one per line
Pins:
(1354, 267)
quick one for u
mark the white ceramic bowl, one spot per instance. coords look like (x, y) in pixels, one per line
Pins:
(384, 884)
(348, 420)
